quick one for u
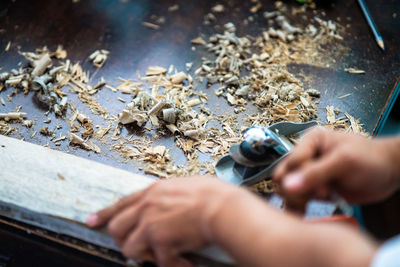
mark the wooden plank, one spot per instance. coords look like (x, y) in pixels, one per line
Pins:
(59, 184)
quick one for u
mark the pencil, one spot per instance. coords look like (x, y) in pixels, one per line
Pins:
(371, 24)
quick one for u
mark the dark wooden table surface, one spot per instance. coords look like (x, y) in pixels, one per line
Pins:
(116, 26)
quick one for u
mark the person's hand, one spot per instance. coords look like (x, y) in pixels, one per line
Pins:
(361, 170)
(165, 220)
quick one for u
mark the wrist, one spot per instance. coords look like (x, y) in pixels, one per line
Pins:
(215, 201)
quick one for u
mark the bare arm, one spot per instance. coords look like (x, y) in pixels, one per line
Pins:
(184, 215)
(263, 236)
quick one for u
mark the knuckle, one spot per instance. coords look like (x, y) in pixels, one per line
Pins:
(157, 234)
(155, 188)
(112, 228)
(160, 239)
(121, 203)
(128, 252)
(347, 156)
(149, 202)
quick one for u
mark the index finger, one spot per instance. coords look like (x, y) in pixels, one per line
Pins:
(306, 150)
(103, 216)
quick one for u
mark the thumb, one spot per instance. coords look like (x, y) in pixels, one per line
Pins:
(312, 176)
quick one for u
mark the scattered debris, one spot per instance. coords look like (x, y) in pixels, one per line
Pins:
(354, 71)
(39, 77)
(5, 128)
(344, 96)
(313, 92)
(99, 57)
(76, 140)
(60, 53)
(7, 46)
(330, 115)
(151, 25)
(173, 8)
(58, 139)
(28, 123)
(155, 70)
(12, 116)
(218, 8)
(60, 176)
(46, 132)
(198, 41)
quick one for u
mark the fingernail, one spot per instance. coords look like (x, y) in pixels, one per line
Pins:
(293, 181)
(92, 219)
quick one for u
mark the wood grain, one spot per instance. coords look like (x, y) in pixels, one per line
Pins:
(55, 183)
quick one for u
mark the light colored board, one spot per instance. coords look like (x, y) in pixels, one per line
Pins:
(55, 183)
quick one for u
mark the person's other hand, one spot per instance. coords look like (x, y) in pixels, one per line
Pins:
(361, 170)
(165, 220)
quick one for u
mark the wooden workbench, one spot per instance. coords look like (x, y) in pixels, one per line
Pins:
(116, 26)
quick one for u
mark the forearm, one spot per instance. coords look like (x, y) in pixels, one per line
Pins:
(257, 235)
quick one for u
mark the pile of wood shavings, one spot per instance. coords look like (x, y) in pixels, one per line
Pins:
(5, 128)
(345, 123)
(256, 71)
(39, 75)
(169, 105)
(47, 82)
(157, 160)
(13, 117)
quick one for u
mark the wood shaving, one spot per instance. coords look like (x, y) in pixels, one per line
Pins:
(155, 70)
(151, 25)
(12, 116)
(356, 127)
(173, 8)
(7, 46)
(178, 77)
(46, 131)
(330, 115)
(28, 123)
(354, 71)
(128, 87)
(76, 140)
(99, 57)
(5, 128)
(198, 41)
(41, 65)
(60, 53)
(58, 139)
(218, 8)
(344, 96)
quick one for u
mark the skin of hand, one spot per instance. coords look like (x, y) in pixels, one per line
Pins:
(168, 218)
(360, 169)
(186, 214)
